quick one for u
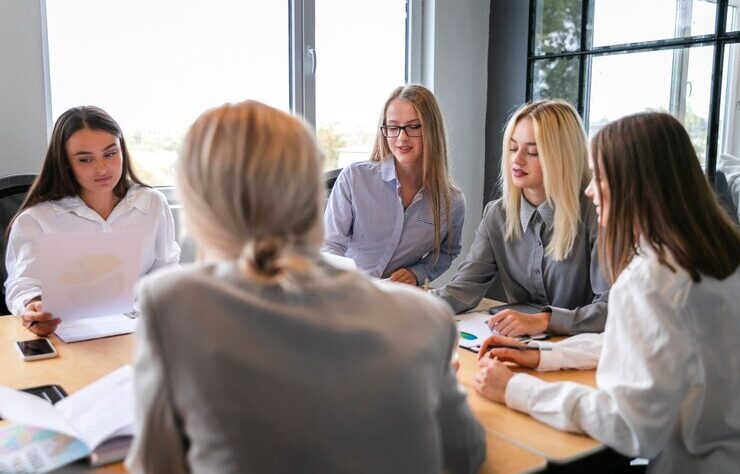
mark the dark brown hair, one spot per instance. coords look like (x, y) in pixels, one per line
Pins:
(56, 180)
(659, 193)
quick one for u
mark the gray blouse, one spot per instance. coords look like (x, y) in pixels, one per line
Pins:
(573, 289)
(346, 374)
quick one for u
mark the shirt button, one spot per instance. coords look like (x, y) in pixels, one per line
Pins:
(539, 243)
(537, 271)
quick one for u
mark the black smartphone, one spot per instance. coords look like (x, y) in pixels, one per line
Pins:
(35, 349)
(521, 307)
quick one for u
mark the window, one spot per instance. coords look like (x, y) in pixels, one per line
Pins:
(678, 56)
(361, 59)
(155, 66)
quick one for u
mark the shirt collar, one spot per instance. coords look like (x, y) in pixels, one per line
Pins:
(527, 211)
(388, 169)
(136, 197)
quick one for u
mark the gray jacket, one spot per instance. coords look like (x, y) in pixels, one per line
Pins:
(346, 375)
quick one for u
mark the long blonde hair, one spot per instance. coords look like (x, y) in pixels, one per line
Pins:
(435, 169)
(250, 181)
(561, 146)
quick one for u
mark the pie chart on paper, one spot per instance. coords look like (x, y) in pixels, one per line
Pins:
(92, 280)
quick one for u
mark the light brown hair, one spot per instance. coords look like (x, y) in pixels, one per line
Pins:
(250, 180)
(435, 168)
(659, 194)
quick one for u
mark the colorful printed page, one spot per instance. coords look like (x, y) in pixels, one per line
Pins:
(26, 448)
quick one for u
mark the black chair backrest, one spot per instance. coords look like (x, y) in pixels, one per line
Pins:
(724, 195)
(13, 190)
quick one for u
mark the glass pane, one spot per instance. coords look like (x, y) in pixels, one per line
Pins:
(729, 125)
(674, 81)
(557, 26)
(733, 16)
(155, 66)
(651, 20)
(361, 49)
(556, 79)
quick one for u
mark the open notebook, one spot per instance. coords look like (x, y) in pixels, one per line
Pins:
(97, 421)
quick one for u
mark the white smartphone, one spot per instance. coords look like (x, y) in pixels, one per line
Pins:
(35, 349)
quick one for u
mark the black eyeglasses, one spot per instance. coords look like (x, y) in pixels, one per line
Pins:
(394, 131)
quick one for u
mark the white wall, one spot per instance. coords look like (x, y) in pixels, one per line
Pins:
(23, 101)
(455, 38)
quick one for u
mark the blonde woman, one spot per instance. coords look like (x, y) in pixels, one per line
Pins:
(267, 359)
(398, 216)
(668, 371)
(540, 237)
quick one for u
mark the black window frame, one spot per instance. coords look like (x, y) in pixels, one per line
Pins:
(719, 40)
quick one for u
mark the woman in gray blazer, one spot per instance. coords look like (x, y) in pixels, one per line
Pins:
(264, 358)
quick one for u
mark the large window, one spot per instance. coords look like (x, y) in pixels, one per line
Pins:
(677, 56)
(156, 65)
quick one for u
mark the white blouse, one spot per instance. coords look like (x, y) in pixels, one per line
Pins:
(668, 376)
(143, 210)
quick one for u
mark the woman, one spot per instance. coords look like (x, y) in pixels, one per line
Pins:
(540, 237)
(399, 216)
(87, 184)
(267, 359)
(669, 372)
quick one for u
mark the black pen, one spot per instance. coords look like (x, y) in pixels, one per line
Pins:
(519, 348)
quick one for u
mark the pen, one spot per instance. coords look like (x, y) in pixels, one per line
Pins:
(519, 348)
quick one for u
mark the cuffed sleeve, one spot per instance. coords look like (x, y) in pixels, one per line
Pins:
(577, 352)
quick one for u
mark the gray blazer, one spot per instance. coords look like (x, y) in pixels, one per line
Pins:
(346, 375)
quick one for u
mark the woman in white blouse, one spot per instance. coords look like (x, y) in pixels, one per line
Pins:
(87, 184)
(668, 372)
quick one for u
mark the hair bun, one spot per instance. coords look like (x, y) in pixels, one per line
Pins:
(263, 254)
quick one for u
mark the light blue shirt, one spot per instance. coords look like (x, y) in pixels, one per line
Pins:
(365, 221)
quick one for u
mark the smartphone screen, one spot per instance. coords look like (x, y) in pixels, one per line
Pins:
(35, 347)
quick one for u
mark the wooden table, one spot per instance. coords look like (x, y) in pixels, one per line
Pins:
(516, 442)
(557, 447)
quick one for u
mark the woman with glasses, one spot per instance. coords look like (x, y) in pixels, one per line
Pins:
(540, 237)
(399, 216)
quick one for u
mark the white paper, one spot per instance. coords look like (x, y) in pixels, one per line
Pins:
(28, 409)
(343, 263)
(91, 414)
(86, 275)
(102, 408)
(473, 329)
(94, 328)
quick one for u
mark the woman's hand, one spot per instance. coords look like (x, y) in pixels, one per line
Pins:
(404, 275)
(529, 359)
(37, 321)
(513, 323)
(492, 378)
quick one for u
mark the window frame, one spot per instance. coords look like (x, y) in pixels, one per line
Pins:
(584, 53)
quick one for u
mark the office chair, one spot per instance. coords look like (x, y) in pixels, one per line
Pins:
(724, 195)
(13, 189)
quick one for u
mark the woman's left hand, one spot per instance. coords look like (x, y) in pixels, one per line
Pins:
(404, 275)
(513, 323)
(492, 378)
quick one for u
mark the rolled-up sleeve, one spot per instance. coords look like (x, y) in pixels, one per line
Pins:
(339, 216)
